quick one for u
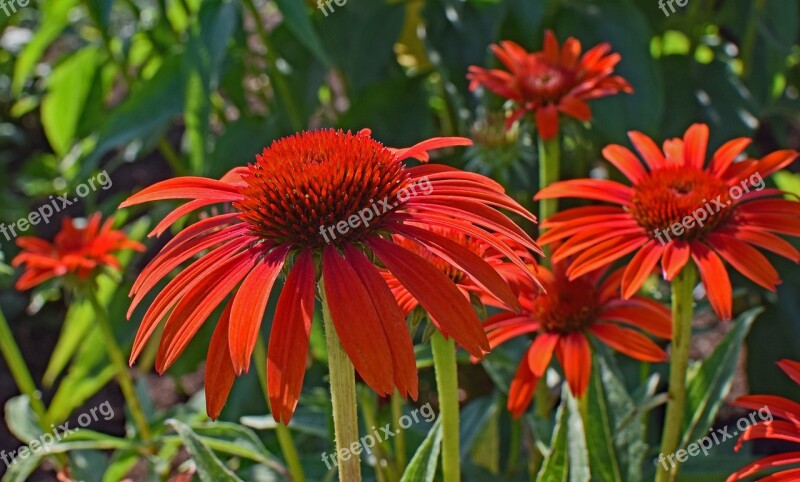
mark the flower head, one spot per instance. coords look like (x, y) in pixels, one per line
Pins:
(555, 79)
(77, 253)
(320, 204)
(786, 427)
(562, 318)
(677, 210)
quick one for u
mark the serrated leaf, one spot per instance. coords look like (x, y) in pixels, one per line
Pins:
(708, 385)
(422, 467)
(209, 467)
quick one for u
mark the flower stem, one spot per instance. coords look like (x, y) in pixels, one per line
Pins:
(549, 169)
(19, 370)
(285, 440)
(682, 311)
(400, 438)
(343, 396)
(444, 362)
(117, 359)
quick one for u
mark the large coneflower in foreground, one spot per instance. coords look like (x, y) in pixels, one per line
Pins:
(322, 205)
(77, 253)
(786, 427)
(557, 79)
(679, 209)
(562, 319)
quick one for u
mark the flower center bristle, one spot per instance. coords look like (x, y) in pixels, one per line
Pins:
(568, 306)
(303, 187)
(544, 82)
(667, 196)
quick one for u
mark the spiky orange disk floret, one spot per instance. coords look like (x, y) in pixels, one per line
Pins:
(665, 197)
(570, 306)
(314, 180)
(543, 82)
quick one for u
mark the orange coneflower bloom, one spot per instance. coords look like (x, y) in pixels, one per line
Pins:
(787, 428)
(76, 251)
(678, 209)
(561, 320)
(555, 79)
(303, 205)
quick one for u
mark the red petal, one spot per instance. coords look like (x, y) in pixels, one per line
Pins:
(541, 352)
(186, 188)
(575, 107)
(715, 279)
(695, 145)
(791, 368)
(288, 340)
(726, 154)
(746, 259)
(629, 342)
(576, 360)
(249, 305)
(357, 323)
(640, 267)
(643, 313)
(624, 160)
(520, 393)
(547, 122)
(420, 151)
(648, 149)
(219, 369)
(675, 258)
(596, 189)
(392, 320)
(436, 293)
(766, 463)
(778, 406)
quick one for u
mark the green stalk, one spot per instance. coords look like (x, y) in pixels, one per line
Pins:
(285, 439)
(400, 438)
(117, 359)
(682, 311)
(19, 370)
(549, 169)
(444, 363)
(343, 396)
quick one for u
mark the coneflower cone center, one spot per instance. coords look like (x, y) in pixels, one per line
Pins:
(666, 197)
(568, 306)
(306, 188)
(544, 82)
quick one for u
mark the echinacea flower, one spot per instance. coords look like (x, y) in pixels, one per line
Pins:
(320, 203)
(557, 79)
(783, 424)
(677, 209)
(79, 252)
(561, 320)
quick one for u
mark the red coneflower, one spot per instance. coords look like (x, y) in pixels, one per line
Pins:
(678, 209)
(561, 320)
(79, 252)
(786, 428)
(555, 79)
(321, 202)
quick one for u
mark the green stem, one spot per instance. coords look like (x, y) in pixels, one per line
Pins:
(682, 311)
(282, 88)
(19, 370)
(117, 359)
(549, 168)
(400, 438)
(343, 396)
(749, 39)
(384, 469)
(444, 362)
(285, 439)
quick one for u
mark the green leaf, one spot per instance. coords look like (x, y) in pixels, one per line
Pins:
(298, 20)
(209, 467)
(422, 467)
(55, 17)
(21, 420)
(710, 382)
(233, 439)
(600, 427)
(578, 459)
(568, 459)
(68, 89)
(555, 468)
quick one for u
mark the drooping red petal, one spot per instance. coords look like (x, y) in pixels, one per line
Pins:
(791, 475)
(288, 340)
(778, 406)
(420, 151)
(675, 258)
(776, 429)
(629, 342)
(643, 313)
(219, 369)
(715, 279)
(604, 254)
(595, 189)
(766, 463)
(746, 259)
(575, 357)
(436, 293)
(357, 322)
(186, 188)
(640, 267)
(574, 107)
(541, 351)
(520, 393)
(726, 154)
(249, 305)
(547, 122)
(791, 368)
(392, 320)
